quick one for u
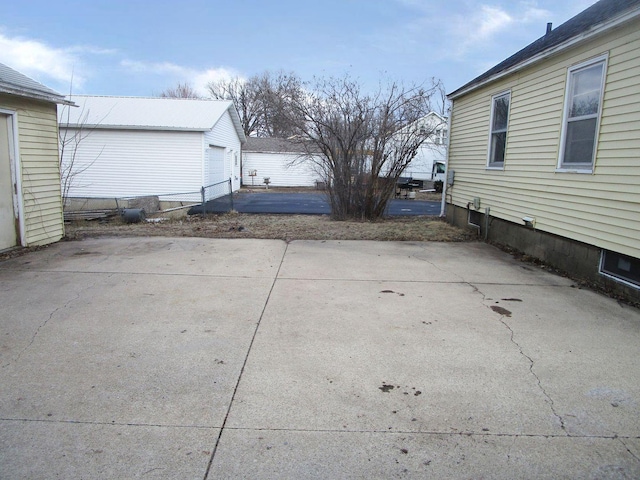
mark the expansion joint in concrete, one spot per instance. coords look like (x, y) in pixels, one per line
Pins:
(244, 364)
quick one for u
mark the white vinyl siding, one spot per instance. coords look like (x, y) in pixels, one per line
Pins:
(583, 102)
(39, 170)
(224, 134)
(283, 169)
(152, 147)
(131, 163)
(599, 209)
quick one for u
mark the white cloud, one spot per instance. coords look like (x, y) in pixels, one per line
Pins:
(174, 74)
(490, 21)
(40, 60)
(201, 80)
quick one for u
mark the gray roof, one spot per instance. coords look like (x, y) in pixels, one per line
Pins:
(148, 113)
(582, 24)
(272, 145)
(15, 83)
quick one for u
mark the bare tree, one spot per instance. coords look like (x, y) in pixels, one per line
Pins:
(262, 101)
(441, 97)
(244, 95)
(277, 92)
(182, 90)
(365, 140)
(70, 138)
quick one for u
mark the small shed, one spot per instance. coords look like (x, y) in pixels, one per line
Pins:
(30, 201)
(123, 147)
(283, 161)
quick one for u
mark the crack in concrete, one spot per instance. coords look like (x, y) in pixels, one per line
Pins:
(44, 324)
(429, 262)
(628, 449)
(531, 365)
(530, 360)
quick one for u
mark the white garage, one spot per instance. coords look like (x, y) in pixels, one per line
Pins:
(123, 147)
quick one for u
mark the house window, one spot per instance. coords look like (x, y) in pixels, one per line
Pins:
(620, 267)
(441, 136)
(498, 135)
(583, 105)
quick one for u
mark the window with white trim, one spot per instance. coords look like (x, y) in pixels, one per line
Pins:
(582, 109)
(440, 136)
(498, 134)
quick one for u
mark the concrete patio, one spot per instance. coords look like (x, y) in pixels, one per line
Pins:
(198, 358)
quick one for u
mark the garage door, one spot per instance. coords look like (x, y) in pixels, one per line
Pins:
(8, 237)
(216, 165)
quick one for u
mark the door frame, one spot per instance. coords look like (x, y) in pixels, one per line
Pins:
(16, 169)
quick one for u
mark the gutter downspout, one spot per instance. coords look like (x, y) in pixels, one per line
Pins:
(446, 167)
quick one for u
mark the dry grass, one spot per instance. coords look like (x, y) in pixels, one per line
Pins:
(284, 227)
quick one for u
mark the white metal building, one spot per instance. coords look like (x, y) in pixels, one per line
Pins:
(280, 160)
(132, 146)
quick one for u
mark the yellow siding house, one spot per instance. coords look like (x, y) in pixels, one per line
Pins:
(544, 152)
(30, 201)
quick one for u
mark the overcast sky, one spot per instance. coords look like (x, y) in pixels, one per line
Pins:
(140, 48)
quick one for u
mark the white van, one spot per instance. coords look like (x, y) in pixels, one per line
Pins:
(437, 174)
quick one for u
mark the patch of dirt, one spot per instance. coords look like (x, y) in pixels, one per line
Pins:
(282, 227)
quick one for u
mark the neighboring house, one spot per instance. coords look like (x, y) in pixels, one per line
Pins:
(131, 147)
(30, 203)
(283, 161)
(544, 151)
(429, 162)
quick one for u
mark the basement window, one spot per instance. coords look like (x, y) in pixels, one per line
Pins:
(620, 267)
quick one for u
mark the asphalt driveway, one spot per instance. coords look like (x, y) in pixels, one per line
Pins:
(198, 358)
(304, 204)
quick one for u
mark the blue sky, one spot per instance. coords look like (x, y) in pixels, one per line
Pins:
(140, 48)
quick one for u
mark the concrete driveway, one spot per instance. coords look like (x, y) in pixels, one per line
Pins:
(200, 358)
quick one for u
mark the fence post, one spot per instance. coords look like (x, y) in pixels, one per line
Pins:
(204, 203)
(231, 193)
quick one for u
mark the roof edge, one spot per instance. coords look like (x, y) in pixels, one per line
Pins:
(549, 52)
(235, 118)
(86, 126)
(11, 89)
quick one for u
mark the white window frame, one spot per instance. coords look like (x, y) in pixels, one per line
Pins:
(586, 167)
(497, 165)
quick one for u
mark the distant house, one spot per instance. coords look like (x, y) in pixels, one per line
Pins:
(132, 147)
(544, 151)
(30, 203)
(428, 164)
(282, 161)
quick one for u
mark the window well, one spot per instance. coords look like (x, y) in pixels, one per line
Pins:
(621, 267)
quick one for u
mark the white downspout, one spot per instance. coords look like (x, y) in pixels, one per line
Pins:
(446, 167)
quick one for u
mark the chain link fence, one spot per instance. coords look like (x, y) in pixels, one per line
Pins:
(214, 198)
